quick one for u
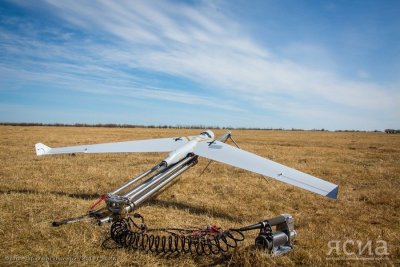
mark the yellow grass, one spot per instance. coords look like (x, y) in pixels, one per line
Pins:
(37, 190)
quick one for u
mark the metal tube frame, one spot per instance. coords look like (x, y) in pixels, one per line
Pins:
(137, 178)
(128, 202)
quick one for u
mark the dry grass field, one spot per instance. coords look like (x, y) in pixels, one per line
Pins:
(37, 190)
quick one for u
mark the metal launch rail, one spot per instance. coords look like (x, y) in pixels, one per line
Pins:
(119, 204)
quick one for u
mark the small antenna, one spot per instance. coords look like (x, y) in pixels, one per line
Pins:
(228, 136)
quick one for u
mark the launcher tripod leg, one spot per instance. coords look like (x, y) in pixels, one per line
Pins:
(118, 204)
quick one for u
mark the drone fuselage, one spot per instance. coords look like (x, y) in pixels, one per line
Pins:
(182, 152)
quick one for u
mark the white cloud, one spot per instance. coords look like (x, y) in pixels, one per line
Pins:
(202, 44)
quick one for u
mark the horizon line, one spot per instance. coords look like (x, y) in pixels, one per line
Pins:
(183, 126)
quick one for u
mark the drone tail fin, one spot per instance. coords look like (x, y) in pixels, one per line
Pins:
(42, 149)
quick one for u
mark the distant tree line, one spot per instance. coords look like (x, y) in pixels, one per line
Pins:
(392, 131)
(199, 126)
(116, 125)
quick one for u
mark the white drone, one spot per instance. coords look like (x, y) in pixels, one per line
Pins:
(183, 153)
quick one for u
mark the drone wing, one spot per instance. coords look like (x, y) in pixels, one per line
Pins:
(230, 155)
(150, 145)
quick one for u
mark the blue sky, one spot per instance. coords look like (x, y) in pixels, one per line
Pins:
(289, 64)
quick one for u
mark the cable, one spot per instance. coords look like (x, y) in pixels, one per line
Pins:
(201, 241)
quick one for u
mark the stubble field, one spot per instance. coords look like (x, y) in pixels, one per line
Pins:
(37, 190)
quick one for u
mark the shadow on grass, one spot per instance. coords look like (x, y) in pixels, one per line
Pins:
(58, 193)
(198, 210)
(194, 209)
(204, 261)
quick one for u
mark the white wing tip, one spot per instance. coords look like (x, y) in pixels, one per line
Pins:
(333, 194)
(42, 149)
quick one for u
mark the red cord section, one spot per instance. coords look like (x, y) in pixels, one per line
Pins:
(100, 199)
(214, 229)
